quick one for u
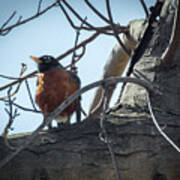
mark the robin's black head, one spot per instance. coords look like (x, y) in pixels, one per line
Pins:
(46, 63)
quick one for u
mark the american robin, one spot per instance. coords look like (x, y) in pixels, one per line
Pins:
(55, 84)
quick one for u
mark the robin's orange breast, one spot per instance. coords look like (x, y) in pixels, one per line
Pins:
(54, 86)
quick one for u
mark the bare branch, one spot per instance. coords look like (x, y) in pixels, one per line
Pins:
(12, 115)
(77, 15)
(82, 44)
(158, 127)
(19, 20)
(4, 25)
(114, 29)
(19, 80)
(74, 56)
(89, 27)
(4, 31)
(8, 77)
(139, 75)
(145, 8)
(146, 37)
(97, 12)
(23, 69)
(68, 101)
(22, 108)
(67, 16)
(104, 133)
(30, 95)
(78, 57)
(9, 19)
(39, 6)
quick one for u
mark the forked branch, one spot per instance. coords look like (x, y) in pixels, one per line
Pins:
(68, 101)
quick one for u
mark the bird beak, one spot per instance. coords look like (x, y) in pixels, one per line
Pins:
(35, 59)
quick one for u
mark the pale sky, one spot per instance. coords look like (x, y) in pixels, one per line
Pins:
(51, 34)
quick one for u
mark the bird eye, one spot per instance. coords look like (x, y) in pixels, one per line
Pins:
(47, 59)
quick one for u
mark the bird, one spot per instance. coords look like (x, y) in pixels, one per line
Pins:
(54, 85)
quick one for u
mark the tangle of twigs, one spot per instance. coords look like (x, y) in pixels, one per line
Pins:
(12, 115)
(32, 74)
(99, 30)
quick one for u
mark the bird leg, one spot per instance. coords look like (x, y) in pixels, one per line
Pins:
(78, 109)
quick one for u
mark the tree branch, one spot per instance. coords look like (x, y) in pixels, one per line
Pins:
(5, 31)
(114, 29)
(19, 80)
(158, 127)
(145, 8)
(68, 101)
(97, 12)
(23, 69)
(82, 44)
(30, 95)
(12, 115)
(104, 135)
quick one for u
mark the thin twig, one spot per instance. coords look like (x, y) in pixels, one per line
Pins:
(12, 115)
(159, 128)
(68, 17)
(18, 80)
(32, 74)
(105, 134)
(105, 30)
(84, 112)
(145, 8)
(18, 23)
(78, 57)
(8, 20)
(67, 102)
(114, 29)
(19, 19)
(82, 44)
(139, 75)
(77, 15)
(22, 107)
(74, 56)
(8, 77)
(105, 107)
(39, 6)
(88, 26)
(97, 12)
(30, 95)
(23, 69)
